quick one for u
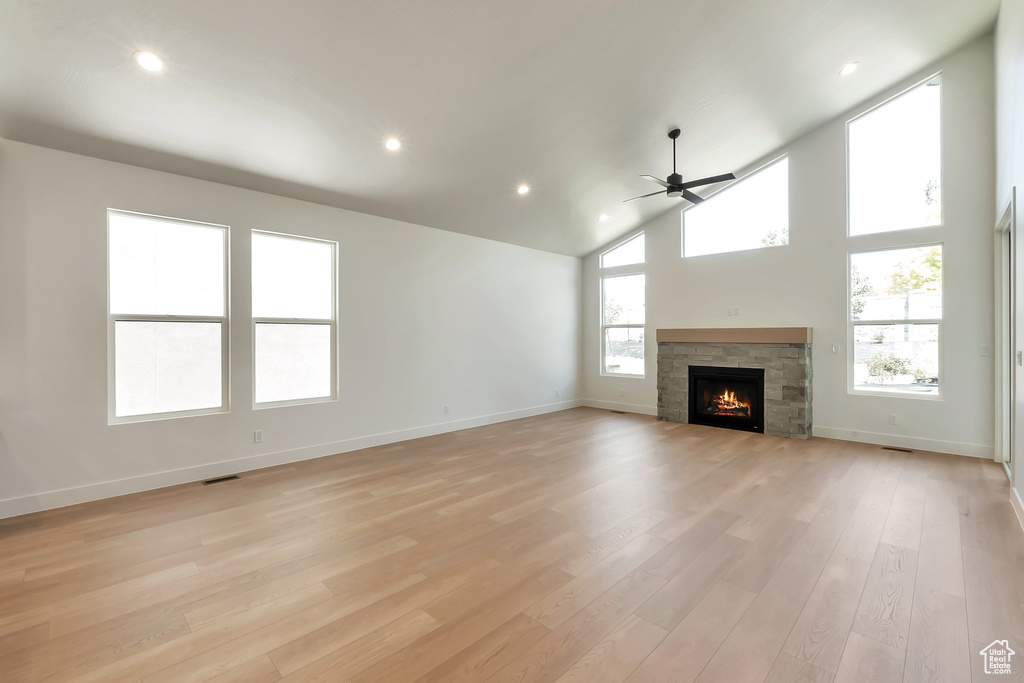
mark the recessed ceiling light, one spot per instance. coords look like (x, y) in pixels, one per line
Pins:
(603, 218)
(149, 61)
(523, 189)
(848, 69)
(393, 144)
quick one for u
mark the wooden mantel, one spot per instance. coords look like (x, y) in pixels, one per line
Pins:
(738, 335)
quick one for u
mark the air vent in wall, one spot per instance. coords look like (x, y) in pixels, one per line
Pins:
(220, 479)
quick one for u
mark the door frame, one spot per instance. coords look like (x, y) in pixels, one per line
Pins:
(1008, 355)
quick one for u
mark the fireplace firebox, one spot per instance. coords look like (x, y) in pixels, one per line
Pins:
(727, 397)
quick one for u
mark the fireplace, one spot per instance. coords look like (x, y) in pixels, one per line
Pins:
(727, 397)
(782, 353)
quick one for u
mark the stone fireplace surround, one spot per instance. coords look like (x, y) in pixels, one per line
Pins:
(783, 352)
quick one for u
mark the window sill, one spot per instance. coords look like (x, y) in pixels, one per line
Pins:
(157, 417)
(855, 235)
(295, 402)
(763, 247)
(896, 394)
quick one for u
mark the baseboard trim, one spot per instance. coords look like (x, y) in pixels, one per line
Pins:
(914, 442)
(624, 407)
(49, 500)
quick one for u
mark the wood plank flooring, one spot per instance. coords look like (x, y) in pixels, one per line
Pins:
(576, 546)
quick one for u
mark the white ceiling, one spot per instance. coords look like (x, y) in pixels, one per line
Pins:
(573, 97)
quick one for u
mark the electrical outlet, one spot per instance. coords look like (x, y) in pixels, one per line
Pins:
(735, 310)
(557, 393)
(892, 418)
(622, 393)
(984, 351)
(257, 436)
(447, 409)
(835, 348)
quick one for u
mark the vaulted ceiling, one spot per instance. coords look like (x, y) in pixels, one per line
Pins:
(572, 97)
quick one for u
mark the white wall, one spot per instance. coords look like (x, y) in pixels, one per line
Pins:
(428, 317)
(1009, 62)
(804, 284)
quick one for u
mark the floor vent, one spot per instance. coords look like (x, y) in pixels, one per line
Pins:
(220, 479)
(619, 412)
(895, 448)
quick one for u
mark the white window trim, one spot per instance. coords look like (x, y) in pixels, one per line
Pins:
(762, 167)
(225, 337)
(332, 321)
(942, 170)
(621, 271)
(851, 324)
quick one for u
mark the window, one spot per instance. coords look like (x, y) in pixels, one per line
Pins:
(752, 213)
(623, 308)
(894, 153)
(622, 324)
(896, 320)
(628, 253)
(293, 308)
(167, 316)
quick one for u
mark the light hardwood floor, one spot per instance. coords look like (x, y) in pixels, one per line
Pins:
(577, 546)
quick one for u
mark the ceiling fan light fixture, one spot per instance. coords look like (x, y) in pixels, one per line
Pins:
(674, 184)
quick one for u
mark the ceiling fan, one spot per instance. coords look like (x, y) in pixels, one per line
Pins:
(674, 185)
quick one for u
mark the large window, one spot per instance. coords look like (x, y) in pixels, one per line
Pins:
(623, 307)
(167, 317)
(895, 179)
(622, 324)
(749, 214)
(896, 320)
(293, 308)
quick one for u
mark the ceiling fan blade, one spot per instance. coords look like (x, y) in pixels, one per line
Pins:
(711, 180)
(692, 197)
(657, 180)
(644, 195)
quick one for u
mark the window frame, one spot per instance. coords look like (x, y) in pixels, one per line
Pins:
(942, 170)
(852, 324)
(619, 244)
(224, 320)
(332, 322)
(621, 271)
(733, 183)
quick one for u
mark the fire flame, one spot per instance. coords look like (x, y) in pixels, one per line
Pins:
(726, 403)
